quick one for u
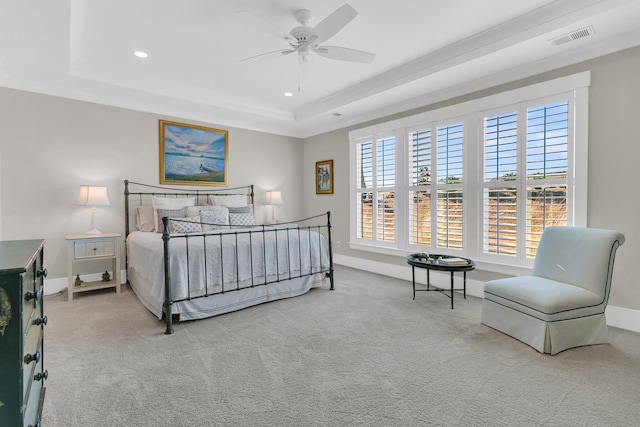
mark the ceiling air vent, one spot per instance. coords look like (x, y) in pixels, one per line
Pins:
(574, 35)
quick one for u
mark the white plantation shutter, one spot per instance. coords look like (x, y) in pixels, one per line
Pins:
(524, 190)
(547, 168)
(500, 212)
(386, 180)
(420, 168)
(364, 196)
(450, 171)
(375, 184)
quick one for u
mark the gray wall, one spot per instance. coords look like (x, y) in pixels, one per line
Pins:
(49, 146)
(614, 152)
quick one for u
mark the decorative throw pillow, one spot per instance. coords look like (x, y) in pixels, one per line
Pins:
(212, 219)
(230, 200)
(242, 219)
(241, 209)
(144, 218)
(170, 213)
(195, 210)
(185, 225)
(169, 203)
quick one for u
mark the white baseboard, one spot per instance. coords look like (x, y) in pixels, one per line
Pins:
(54, 286)
(619, 317)
(623, 318)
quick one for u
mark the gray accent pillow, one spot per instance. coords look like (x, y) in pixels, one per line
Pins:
(242, 209)
(170, 213)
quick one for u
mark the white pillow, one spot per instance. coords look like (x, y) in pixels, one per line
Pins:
(169, 203)
(231, 201)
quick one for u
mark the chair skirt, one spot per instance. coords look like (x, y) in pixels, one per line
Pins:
(546, 337)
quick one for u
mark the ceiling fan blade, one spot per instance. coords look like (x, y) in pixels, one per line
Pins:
(268, 26)
(269, 55)
(333, 23)
(345, 54)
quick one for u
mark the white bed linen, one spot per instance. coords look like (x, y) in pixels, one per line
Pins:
(295, 258)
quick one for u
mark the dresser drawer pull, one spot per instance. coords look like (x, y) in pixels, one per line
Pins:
(33, 295)
(35, 357)
(41, 376)
(42, 273)
(40, 321)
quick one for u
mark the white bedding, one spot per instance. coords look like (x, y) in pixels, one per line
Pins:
(299, 252)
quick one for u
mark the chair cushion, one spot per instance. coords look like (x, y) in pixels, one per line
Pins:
(544, 298)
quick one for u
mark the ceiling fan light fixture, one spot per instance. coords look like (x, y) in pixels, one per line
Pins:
(306, 40)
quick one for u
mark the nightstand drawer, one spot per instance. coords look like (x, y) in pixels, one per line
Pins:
(94, 249)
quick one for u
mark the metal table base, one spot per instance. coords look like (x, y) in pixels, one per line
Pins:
(436, 289)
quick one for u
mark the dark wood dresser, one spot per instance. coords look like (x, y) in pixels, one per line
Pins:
(22, 322)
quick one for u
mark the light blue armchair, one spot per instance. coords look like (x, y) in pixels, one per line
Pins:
(561, 305)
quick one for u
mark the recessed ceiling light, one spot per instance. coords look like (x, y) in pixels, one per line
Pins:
(140, 54)
(288, 94)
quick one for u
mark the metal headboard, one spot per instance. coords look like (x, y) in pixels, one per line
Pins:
(145, 192)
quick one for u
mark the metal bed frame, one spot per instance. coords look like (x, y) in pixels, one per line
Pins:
(201, 196)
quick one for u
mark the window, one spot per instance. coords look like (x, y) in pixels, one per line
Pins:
(375, 218)
(500, 229)
(480, 179)
(525, 177)
(450, 171)
(420, 168)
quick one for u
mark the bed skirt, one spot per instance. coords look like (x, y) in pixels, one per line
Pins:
(201, 308)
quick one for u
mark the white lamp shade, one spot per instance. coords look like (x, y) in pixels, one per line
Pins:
(274, 198)
(93, 196)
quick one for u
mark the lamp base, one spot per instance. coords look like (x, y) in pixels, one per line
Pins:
(94, 231)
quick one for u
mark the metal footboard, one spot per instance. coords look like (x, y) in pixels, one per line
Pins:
(299, 242)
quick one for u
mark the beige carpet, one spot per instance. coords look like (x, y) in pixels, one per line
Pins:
(362, 355)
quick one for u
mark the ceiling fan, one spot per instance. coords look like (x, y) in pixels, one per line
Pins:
(306, 40)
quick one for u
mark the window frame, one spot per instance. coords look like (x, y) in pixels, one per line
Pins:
(574, 88)
(375, 189)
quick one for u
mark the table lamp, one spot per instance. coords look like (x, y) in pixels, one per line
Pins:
(274, 198)
(93, 196)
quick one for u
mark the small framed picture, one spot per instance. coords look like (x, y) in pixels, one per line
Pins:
(193, 155)
(324, 177)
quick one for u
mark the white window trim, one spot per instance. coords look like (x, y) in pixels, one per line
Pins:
(469, 112)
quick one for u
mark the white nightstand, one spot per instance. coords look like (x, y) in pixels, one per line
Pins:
(92, 247)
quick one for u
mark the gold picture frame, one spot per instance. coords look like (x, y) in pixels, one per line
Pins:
(193, 155)
(324, 177)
